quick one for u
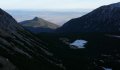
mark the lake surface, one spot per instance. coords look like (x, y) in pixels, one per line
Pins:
(79, 43)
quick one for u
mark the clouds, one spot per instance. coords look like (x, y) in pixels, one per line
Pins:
(53, 4)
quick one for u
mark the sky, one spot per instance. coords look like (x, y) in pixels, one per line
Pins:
(53, 4)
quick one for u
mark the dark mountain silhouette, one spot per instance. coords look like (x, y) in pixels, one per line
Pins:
(20, 50)
(105, 19)
(38, 25)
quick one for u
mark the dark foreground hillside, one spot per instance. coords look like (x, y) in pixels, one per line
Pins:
(20, 50)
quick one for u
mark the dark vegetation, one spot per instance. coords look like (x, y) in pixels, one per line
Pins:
(101, 50)
(31, 56)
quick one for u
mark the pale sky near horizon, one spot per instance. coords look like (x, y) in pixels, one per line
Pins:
(53, 4)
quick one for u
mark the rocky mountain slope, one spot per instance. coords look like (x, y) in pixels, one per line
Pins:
(38, 25)
(20, 50)
(105, 19)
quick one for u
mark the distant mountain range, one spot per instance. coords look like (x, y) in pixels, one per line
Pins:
(38, 25)
(58, 17)
(105, 19)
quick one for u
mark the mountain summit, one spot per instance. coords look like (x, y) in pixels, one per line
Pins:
(36, 18)
(37, 25)
(105, 19)
(39, 22)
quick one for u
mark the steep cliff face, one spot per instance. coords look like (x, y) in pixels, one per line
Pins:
(22, 49)
(105, 19)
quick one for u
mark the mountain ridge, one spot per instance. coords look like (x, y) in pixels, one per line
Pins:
(104, 19)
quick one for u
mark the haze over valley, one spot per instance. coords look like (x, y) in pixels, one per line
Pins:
(57, 17)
